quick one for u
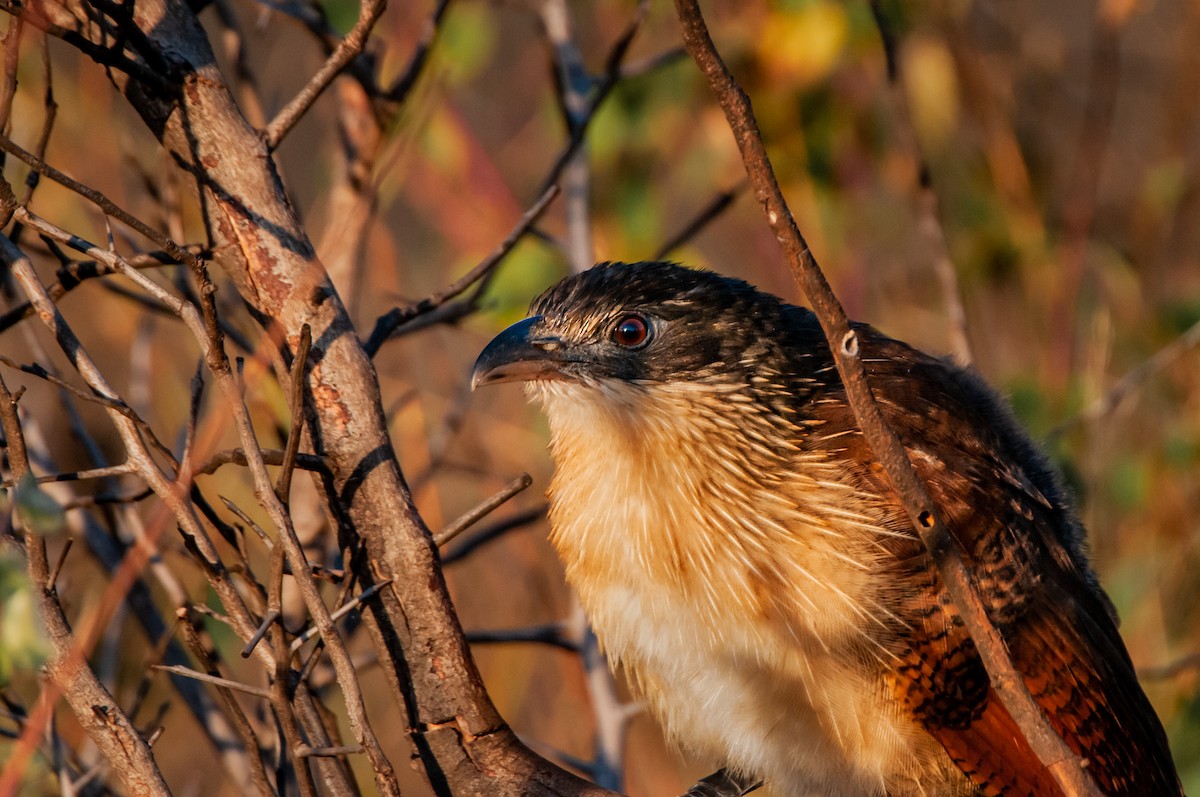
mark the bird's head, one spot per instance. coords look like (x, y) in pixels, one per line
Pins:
(641, 326)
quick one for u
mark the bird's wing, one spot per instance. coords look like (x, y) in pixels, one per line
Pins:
(1020, 540)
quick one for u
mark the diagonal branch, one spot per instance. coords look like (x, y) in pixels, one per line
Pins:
(346, 51)
(1053, 752)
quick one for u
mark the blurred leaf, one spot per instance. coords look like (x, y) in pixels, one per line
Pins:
(342, 14)
(1180, 316)
(23, 643)
(1164, 185)
(1181, 452)
(442, 142)
(1185, 743)
(529, 270)
(466, 42)
(801, 47)
(932, 87)
(1129, 483)
(40, 513)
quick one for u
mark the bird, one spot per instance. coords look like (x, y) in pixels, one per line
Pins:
(743, 559)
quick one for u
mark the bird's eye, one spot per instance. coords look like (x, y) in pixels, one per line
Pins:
(632, 332)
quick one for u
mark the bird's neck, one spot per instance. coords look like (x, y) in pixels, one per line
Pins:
(691, 493)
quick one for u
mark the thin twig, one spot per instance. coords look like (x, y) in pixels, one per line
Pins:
(108, 402)
(394, 318)
(271, 456)
(492, 532)
(553, 634)
(304, 751)
(929, 224)
(81, 475)
(225, 683)
(283, 485)
(52, 579)
(347, 49)
(70, 675)
(483, 509)
(1171, 669)
(98, 199)
(1131, 381)
(340, 612)
(402, 85)
(718, 205)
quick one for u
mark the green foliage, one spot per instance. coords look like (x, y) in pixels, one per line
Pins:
(40, 513)
(23, 643)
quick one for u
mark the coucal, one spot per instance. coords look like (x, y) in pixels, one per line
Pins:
(740, 553)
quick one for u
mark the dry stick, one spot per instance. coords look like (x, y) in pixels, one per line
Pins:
(1051, 750)
(612, 76)
(554, 634)
(249, 97)
(10, 43)
(397, 316)
(573, 83)
(283, 687)
(98, 199)
(283, 486)
(929, 225)
(403, 84)
(347, 49)
(612, 715)
(718, 205)
(341, 611)
(115, 405)
(124, 576)
(274, 602)
(492, 532)
(52, 579)
(224, 683)
(142, 607)
(31, 179)
(74, 273)
(81, 475)
(304, 751)
(1131, 381)
(1169, 670)
(271, 456)
(232, 710)
(483, 509)
(100, 716)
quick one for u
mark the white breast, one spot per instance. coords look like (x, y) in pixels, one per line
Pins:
(743, 616)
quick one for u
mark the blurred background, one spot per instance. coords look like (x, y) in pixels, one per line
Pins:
(1057, 245)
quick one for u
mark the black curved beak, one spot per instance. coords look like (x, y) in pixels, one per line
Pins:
(520, 354)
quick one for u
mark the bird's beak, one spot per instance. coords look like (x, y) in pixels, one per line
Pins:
(521, 354)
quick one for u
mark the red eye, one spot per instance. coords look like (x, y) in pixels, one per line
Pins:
(631, 332)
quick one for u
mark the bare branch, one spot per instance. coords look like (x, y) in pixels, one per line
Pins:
(397, 317)
(483, 509)
(224, 683)
(346, 50)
